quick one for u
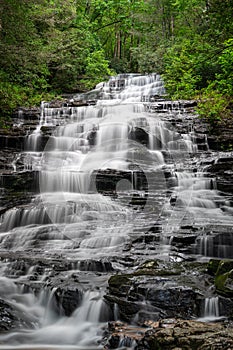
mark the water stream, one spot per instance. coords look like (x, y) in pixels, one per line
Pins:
(103, 181)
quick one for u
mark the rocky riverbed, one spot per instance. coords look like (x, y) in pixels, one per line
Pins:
(172, 334)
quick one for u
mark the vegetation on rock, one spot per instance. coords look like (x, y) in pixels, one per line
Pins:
(223, 273)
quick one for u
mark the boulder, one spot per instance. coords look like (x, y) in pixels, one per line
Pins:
(223, 171)
(11, 318)
(160, 289)
(140, 135)
(189, 335)
(68, 297)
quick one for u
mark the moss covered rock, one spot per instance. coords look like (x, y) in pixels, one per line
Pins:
(159, 289)
(223, 272)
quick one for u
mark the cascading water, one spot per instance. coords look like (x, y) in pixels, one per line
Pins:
(103, 182)
(211, 310)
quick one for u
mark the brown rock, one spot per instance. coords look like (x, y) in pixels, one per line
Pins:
(173, 334)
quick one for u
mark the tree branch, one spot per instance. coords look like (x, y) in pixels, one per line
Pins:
(108, 25)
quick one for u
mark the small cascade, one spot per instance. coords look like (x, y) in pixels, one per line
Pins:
(211, 307)
(20, 118)
(133, 87)
(217, 242)
(33, 140)
(194, 192)
(15, 161)
(206, 246)
(50, 330)
(211, 311)
(127, 342)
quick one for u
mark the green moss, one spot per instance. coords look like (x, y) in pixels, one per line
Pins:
(218, 267)
(145, 272)
(223, 272)
(118, 280)
(224, 266)
(149, 264)
(221, 282)
(212, 267)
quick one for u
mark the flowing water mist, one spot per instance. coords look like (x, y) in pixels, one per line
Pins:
(109, 173)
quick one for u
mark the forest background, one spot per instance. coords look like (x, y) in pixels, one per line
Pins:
(64, 46)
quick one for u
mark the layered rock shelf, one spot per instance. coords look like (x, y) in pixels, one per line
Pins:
(117, 218)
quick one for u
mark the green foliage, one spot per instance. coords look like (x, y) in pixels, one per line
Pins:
(213, 107)
(10, 96)
(148, 60)
(66, 46)
(224, 80)
(179, 70)
(121, 65)
(216, 98)
(97, 69)
(219, 26)
(13, 96)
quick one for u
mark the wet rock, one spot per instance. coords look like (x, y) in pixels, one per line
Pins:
(165, 290)
(223, 171)
(106, 181)
(10, 199)
(170, 334)
(10, 161)
(19, 264)
(150, 264)
(226, 306)
(190, 335)
(164, 105)
(86, 98)
(139, 135)
(63, 288)
(94, 265)
(127, 309)
(117, 84)
(27, 181)
(222, 141)
(92, 137)
(11, 318)
(120, 334)
(183, 240)
(12, 141)
(222, 272)
(31, 113)
(59, 103)
(18, 188)
(68, 297)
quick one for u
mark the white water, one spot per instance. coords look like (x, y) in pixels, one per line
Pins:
(211, 307)
(71, 217)
(81, 330)
(211, 312)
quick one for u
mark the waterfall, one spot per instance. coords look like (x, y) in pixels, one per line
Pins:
(111, 173)
(52, 331)
(211, 307)
(211, 310)
(33, 140)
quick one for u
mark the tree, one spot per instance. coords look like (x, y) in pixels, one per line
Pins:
(20, 45)
(68, 45)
